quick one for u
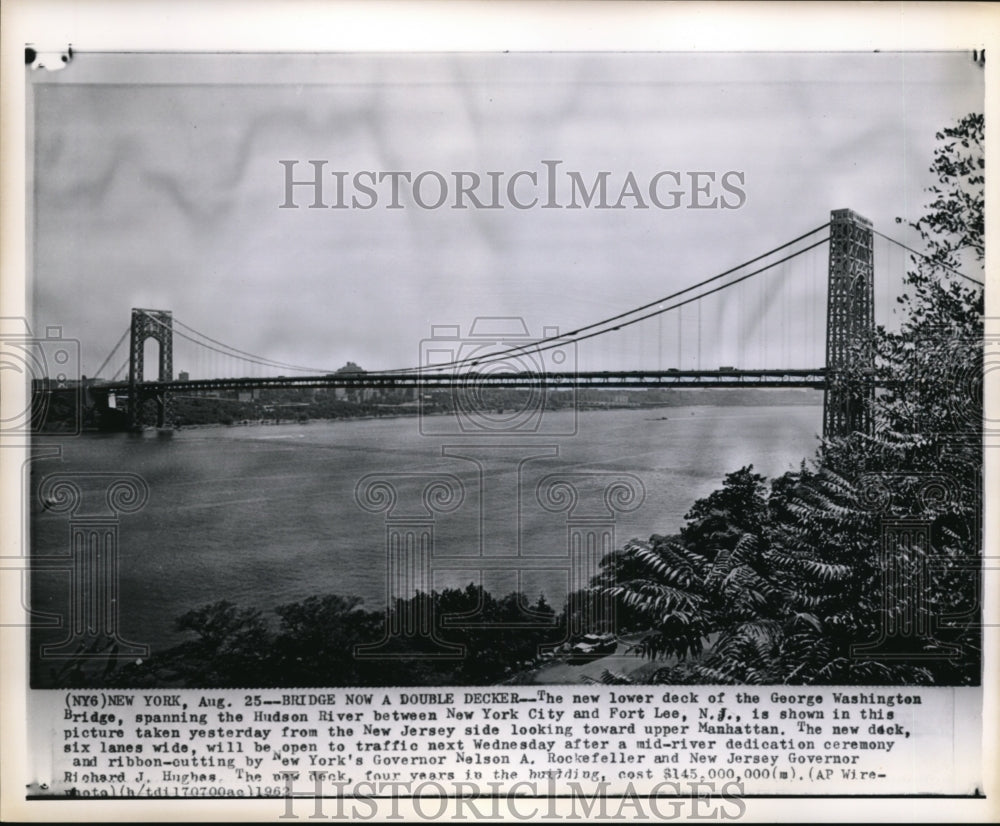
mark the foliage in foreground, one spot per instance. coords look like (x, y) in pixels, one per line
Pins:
(316, 641)
(860, 568)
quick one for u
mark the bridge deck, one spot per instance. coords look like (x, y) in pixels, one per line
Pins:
(444, 381)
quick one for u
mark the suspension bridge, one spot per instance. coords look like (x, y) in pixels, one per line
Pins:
(769, 304)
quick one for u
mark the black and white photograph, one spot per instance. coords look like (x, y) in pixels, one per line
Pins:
(509, 369)
(507, 376)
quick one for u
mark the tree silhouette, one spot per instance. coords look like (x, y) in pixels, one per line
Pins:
(810, 583)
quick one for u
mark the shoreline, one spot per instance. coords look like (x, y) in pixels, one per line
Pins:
(585, 408)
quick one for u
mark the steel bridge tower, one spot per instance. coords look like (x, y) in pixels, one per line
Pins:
(157, 325)
(850, 324)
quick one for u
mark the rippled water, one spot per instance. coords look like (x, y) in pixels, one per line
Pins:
(265, 515)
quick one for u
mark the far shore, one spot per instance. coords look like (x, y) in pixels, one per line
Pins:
(588, 407)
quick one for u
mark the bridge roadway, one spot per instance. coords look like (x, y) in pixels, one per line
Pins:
(433, 380)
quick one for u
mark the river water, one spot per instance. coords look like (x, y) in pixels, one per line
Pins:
(267, 515)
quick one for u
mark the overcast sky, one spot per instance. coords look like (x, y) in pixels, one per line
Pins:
(158, 184)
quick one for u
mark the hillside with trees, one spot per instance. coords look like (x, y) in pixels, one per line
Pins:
(860, 567)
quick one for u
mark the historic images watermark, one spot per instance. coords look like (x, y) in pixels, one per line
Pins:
(42, 396)
(48, 368)
(503, 390)
(321, 186)
(503, 381)
(94, 503)
(333, 798)
(907, 508)
(914, 510)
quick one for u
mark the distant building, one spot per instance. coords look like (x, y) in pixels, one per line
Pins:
(354, 394)
(183, 376)
(350, 367)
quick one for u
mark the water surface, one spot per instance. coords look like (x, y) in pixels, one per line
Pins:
(266, 515)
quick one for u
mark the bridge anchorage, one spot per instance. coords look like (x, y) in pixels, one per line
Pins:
(846, 379)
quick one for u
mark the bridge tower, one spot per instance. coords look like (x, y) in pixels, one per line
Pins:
(157, 325)
(850, 323)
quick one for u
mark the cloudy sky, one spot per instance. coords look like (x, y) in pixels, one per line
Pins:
(157, 184)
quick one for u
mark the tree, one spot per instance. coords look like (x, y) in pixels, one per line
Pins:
(954, 224)
(687, 588)
(316, 643)
(720, 520)
(795, 591)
